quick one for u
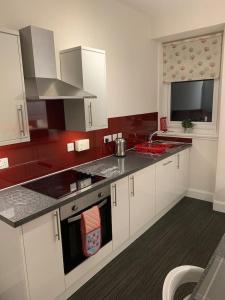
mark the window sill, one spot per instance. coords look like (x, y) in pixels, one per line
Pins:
(197, 125)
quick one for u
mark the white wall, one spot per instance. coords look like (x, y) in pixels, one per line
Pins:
(203, 168)
(219, 198)
(177, 16)
(179, 19)
(103, 24)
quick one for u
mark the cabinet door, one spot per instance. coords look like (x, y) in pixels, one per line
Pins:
(142, 198)
(181, 173)
(13, 112)
(165, 183)
(94, 81)
(13, 283)
(186, 155)
(86, 69)
(89, 114)
(44, 260)
(120, 212)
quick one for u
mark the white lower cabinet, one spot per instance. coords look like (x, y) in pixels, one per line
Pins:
(120, 212)
(43, 255)
(181, 172)
(172, 179)
(13, 283)
(31, 260)
(142, 198)
(165, 183)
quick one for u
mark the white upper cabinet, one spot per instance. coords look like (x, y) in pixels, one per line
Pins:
(120, 212)
(13, 113)
(86, 69)
(44, 258)
(142, 198)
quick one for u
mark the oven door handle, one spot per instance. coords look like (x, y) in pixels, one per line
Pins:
(78, 217)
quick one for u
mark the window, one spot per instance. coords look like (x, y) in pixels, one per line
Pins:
(192, 100)
(191, 77)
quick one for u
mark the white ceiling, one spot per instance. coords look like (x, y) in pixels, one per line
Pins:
(150, 6)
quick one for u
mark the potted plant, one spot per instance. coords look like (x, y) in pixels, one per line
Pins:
(187, 125)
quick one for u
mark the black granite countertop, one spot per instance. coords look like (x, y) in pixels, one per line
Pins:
(211, 285)
(19, 205)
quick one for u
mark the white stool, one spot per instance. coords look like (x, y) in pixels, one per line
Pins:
(179, 276)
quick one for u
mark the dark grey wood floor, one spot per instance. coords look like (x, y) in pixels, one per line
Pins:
(188, 234)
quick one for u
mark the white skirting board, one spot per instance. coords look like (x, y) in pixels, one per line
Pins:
(206, 196)
(219, 206)
(199, 194)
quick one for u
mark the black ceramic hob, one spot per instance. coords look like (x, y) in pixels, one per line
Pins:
(63, 184)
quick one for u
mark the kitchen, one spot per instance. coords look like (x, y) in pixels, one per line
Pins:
(80, 80)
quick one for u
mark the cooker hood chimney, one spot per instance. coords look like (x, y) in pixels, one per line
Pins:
(39, 65)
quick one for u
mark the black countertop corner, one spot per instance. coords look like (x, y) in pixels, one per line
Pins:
(19, 205)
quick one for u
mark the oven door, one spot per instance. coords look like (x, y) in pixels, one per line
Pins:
(71, 235)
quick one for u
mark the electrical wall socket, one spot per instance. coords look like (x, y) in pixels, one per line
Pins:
(114, 136)
(82, 145)
(4, 163)
(107, 139)
(70, 147)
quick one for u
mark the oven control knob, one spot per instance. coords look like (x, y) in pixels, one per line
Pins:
(100, 195)
(75, 208)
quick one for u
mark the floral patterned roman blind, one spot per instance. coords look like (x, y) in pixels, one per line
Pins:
(192, 59)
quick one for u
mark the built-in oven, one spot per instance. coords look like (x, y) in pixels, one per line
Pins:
(70, 217)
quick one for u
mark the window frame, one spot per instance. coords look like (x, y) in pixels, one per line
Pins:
(198, 125)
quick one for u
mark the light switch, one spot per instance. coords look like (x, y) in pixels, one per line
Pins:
(82, 145)
(114, 136)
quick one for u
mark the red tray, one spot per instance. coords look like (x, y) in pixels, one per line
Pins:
(152, 148)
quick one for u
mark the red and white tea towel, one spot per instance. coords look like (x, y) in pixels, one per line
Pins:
(91, 231)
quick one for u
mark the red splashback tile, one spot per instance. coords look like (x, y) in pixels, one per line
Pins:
(47, 152)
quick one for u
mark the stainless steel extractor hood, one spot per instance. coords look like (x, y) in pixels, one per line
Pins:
(39, 65)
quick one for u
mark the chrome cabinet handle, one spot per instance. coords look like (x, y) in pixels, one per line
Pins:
(21, 119)
(57, 235)
(167, 163)
(178, 161)
(90, 115)
(132, 192)
(115, 196)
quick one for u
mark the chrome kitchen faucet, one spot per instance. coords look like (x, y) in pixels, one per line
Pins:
(153, 134)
